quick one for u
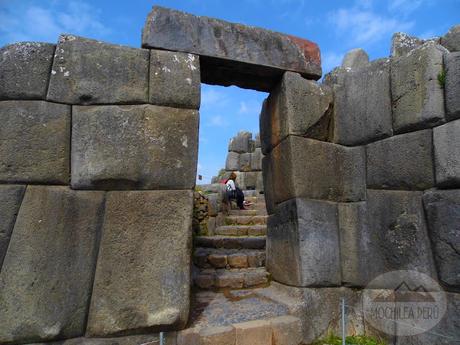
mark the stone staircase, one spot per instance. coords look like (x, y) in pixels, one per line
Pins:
(234, 256)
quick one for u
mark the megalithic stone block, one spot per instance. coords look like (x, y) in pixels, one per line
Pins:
(174, 79)
(402, 44)
(362, 108)
(34, 142)
(47, 273)
(245, 162)
(451, 40)
(134, 147)
(303, 243)
(443, 215)
(241, 143)
(452, 85)
(295, 107)
(398, 232)
(404, 161)
(25, 69)
(256, 160)
(308, 168)
(232, 53)
(417, 94)
(10, 200)
(87, 71)
(267, 177)
(355, 58)
(233, 161)
(446, 142)
(356, 245)
(143, 270)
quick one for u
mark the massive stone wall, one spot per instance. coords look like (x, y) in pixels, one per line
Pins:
(98, 148)
(362, 173)
(245, 159)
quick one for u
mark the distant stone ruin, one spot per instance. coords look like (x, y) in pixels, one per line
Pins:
(98, 161)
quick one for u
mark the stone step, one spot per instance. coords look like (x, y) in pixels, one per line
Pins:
(241, 230)
(222, 278)
(245, 220)
(230, 242)
(281, 330)
(244, 212)
(228, 258)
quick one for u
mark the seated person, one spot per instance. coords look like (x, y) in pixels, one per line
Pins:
(233, 192)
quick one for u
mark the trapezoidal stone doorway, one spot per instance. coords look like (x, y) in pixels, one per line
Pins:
(109, 145)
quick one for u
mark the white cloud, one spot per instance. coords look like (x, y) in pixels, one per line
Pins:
(40, 23)
(330, 60)
(217, 121)
(251, 107)
(406, 6)
(365, 26)
(211, 97)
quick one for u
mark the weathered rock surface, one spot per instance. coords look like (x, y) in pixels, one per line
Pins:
(241, 143)
(296, 107)
(151, 251)
(447, 327)
(446, 142)
(362, 108)
(452, 85)
(443, 216)
(356, 244)
(402, 44)
(333, 172)
(451, 40)
(25, 69)
(256, 332)
(401, 162)
(174, 79)
(87, 71)
(147, 339)
(10, 201)
(398, 233)
(267, 177)
(47, 273)
(417, 96)
(233, 161)
(256, 159)
(134, 147)
(303, 243)
(34, 142)
(232, 53)
(355, 58)
(245, 161)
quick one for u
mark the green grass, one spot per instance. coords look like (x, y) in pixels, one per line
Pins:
(442, 78)
(332, 339)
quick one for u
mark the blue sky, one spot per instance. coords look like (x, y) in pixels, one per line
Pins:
(336, 25)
